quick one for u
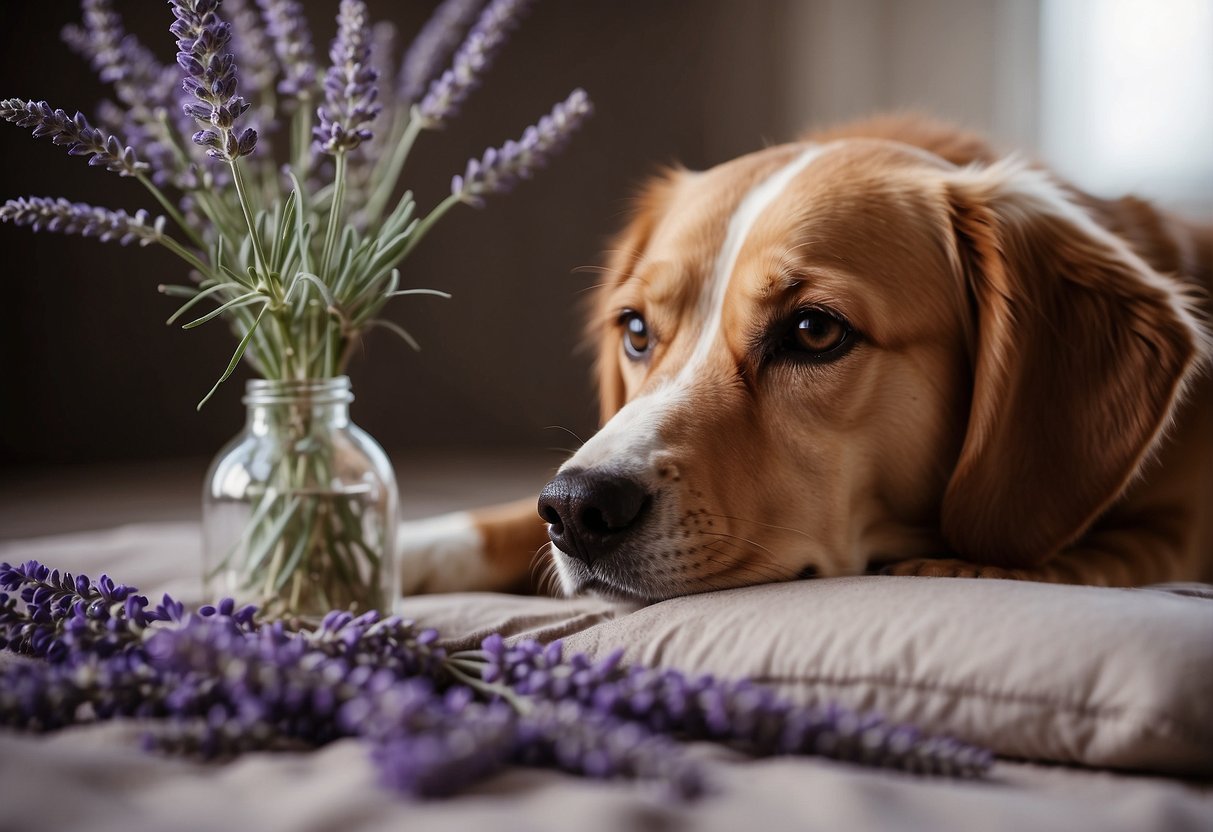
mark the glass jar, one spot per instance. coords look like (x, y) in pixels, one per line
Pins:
(299, 510)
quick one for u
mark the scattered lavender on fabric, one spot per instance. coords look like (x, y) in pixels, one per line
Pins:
(736, 712)
(218, 682)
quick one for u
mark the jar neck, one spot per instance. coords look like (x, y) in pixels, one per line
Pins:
(300, 406)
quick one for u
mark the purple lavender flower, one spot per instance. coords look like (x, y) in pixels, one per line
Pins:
(739, 713)
(210, 77)
(37, 696)
(68, 615)
(140, 80)
(216, 683)
(63, 217)
(287, 26)
(144, 86)
(255, 54)
(431, 745)
(433, 46)
(499, 169)
(448, 92)
(349, 85)
(81, 138)
(580, 740)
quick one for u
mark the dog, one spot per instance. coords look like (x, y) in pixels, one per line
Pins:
(882, 348)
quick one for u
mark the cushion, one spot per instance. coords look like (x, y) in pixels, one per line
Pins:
(1119, 678)
(1099, 677)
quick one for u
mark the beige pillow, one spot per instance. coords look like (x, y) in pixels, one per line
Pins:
(1102, 677)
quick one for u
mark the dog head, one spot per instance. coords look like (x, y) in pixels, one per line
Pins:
(822, 356)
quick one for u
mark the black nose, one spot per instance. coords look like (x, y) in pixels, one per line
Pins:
(589, 512)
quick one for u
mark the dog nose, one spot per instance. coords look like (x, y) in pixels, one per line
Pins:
(589, 512)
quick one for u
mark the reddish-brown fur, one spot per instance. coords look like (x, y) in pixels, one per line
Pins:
(1029, 400)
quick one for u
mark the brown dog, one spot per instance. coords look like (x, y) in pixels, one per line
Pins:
(883, 345)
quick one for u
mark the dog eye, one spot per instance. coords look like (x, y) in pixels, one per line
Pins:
(636, 340)
(818, 334)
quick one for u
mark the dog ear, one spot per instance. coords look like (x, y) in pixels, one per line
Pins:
(625, 251)
(1081, 353)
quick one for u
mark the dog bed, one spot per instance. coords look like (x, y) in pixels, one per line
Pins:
(1099, 703)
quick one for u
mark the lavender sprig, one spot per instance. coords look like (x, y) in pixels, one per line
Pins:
(286, 24)
(210, 78)
(142, 82)
(255, 54)
(349, 85)
(63, 217)
(74, 132)
(739, 713)
(448, 92)
(145, 87)
(433, 46)
(427, 745)
(499, 169)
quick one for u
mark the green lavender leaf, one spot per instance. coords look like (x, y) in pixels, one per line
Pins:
(236, 356)
(198, 296)
(242, 300)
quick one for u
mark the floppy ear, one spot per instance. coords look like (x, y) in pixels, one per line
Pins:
(624, 253)
(1081, 353)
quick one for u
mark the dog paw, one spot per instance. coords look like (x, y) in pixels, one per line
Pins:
(442, 554)
(946, 568)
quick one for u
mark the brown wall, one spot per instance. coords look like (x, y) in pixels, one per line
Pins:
(90, 371)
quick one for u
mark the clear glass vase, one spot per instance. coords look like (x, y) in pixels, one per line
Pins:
(299, 510)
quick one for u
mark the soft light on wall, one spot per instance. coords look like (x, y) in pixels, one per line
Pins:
(1127, 97)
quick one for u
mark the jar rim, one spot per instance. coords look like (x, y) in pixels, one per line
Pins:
(334, 390)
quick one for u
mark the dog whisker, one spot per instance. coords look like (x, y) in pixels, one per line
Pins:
(569, 431)
(756, 545)
(747, 566)
(760, 523)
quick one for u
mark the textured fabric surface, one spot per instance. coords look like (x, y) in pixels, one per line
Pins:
(1106, 677)
(1118, 678)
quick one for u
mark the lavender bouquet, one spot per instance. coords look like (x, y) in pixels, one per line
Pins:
(274, 183)
(218, 682)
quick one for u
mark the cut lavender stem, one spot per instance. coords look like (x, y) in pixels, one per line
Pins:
(286, 24)
(499, 169)
(349, 85)
(433, 46)
(210, 78)
(63, 217)
(448, 92)
(74, 132)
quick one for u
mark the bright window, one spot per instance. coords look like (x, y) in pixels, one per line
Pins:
(1127, 97)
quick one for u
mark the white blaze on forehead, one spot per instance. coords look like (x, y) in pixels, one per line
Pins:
(631, 438)
(751, 207)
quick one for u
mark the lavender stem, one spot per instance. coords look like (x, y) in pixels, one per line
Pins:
(426, 224)
(330, 234)
(386, 183)
(242, 198)
(171, 210)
